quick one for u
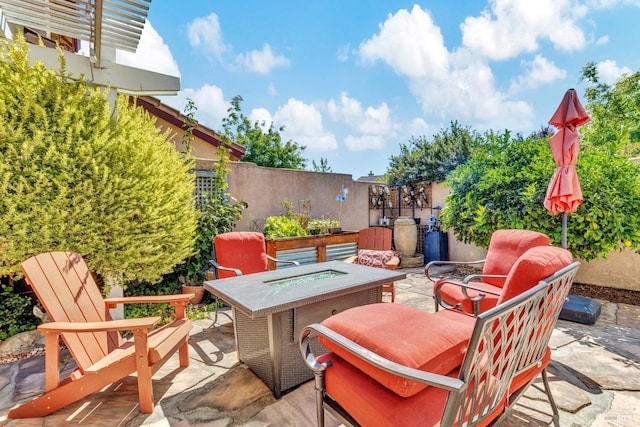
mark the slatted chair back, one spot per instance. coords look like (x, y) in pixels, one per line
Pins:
(540, 331)
(375, 238)
(505, 339)
(69, 293)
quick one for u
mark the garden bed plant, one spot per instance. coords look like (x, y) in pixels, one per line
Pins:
(298, 224)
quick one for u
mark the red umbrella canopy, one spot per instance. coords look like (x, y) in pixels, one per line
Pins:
(564, 193)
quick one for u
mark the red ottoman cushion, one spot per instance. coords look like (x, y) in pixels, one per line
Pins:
(404, 335)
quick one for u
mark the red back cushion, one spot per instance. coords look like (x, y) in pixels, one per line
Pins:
(534, 265)
(505, 248)
(244, 250)
(402, 334)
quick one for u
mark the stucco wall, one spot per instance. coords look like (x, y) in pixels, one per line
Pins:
(201, 150)
(265, 188)
(620, 270)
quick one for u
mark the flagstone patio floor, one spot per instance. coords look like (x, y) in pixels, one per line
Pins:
(594, 374)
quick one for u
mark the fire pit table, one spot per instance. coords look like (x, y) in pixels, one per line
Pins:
(270, 310)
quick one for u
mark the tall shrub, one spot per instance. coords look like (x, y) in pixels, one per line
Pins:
(75, 176)
(504, 183)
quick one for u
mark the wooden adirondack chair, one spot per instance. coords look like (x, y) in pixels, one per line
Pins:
(79, 314)
(375, 244)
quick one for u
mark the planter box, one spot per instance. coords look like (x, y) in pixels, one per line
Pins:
(320, 244)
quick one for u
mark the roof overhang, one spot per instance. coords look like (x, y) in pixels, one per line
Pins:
(106, 25)
(117, 24)
(125, 79)
(174, 117)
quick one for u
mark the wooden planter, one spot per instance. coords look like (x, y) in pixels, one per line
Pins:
(318, 242)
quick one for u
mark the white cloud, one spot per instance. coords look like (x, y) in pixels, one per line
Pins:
(343, 53)
(152, 54)
(373, 121)
(373, 127)
(206, 34)
(303, 124)
(261, 61)
(410, 43)
(511, 27)
(538, 72)
(262, 116)
(609, 71)
(417, 127)
(457, 84)
(602, 40)
(364, 142)
(210, 103)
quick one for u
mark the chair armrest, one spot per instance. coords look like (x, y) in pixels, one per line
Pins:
(353, 259)
(148, 299)
(464, 286)
(479, 277)
(110, 325)
(429, 378)
(451, 263)
(178, 301)
(283, 261)
(217, 267)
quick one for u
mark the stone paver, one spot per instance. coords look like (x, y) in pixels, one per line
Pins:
(594, 377)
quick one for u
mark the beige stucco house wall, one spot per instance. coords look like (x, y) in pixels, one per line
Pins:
(206, 143)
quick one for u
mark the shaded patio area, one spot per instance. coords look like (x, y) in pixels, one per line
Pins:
(594, 374)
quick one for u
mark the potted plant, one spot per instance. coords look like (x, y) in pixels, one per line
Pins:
(192, 285)
(324, 226)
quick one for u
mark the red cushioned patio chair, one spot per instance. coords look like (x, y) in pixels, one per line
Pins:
(394, 365)
(480, 292)
(80, 315)
(375, 249)
(240, 252)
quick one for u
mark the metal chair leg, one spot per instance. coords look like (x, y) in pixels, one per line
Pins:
(554, 407)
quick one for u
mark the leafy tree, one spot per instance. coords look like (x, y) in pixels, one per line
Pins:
(323, 166)
(262, 148)
(504, 183)
(422, 160)
(614, 111)
(76, 177)
(218, 213)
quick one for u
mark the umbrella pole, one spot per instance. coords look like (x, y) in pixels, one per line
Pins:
(564, 230)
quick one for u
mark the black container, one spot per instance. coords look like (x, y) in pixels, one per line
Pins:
(436, 246)
(580, 309)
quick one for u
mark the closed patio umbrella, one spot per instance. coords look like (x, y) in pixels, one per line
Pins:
(564, 194)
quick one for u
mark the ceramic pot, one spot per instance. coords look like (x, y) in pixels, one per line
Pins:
(196, 290)
(405, 235)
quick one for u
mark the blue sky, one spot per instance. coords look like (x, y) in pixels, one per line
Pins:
(352, 80)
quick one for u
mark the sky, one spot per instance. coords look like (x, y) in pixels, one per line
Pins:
(353, 80)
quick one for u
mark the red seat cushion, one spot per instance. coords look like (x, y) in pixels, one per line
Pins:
(243, 250)
(371, 404)
(505, 248)
(404, 335)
